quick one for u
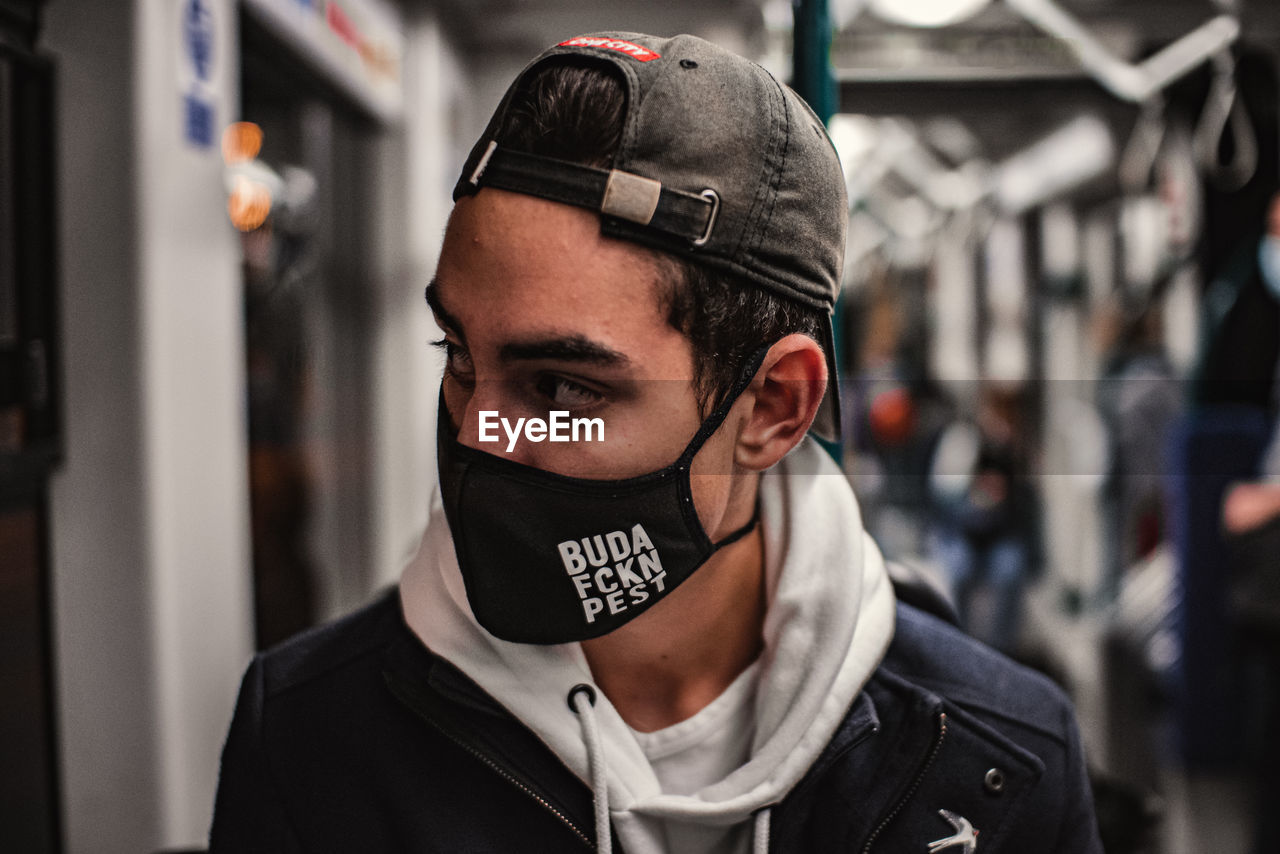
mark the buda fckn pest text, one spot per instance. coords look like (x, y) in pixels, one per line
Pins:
(558, 427)
(617, 570)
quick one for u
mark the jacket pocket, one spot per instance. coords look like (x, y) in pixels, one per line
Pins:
(968, 797)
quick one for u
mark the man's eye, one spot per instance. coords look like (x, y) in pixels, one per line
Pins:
(566, 393)
(457, 361)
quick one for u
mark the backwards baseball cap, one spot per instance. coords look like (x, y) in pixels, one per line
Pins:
(718, 162)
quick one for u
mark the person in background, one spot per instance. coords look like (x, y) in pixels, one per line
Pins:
(983, 522)
(1251, 524)
(1239, 347)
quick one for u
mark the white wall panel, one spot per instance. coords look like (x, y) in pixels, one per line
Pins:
(150, 521)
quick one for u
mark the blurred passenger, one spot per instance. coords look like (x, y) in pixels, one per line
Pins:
(984, 523)
(644, 642)
(896, 413)
(1251, 520)
(1139, 398)
(1251, 515)
(1240, 346)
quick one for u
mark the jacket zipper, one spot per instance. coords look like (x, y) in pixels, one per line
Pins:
(915, 784)
(501, 771)
(810, 780)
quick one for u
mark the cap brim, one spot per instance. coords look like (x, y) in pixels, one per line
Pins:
(826, 424)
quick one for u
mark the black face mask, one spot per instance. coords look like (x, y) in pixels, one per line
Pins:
(548, 558)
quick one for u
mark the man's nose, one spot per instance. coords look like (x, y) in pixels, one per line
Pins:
(466, 409)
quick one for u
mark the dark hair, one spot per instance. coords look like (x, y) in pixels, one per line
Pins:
(574, 112)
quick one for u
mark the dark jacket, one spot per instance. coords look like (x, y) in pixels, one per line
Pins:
(355, 738)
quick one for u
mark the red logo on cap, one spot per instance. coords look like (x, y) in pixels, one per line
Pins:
(634, 51)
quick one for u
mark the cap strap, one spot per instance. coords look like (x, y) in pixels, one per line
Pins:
(611, 192)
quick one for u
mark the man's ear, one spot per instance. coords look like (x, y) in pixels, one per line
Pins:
(784, 398)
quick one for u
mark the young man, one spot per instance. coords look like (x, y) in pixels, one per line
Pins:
(671, 635)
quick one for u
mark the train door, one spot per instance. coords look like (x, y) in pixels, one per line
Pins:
(308, 334)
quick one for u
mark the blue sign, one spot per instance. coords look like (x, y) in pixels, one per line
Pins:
(198, 121)
(198, 92)
(197, 27)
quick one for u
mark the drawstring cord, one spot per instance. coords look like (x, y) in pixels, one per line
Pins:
(761, 836)
(582, 699)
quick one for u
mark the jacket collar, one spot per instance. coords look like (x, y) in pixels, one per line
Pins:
(455, 706)
(899, 756)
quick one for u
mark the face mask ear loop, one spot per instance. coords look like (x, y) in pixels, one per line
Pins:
(738, 534)
(710, 426)
(721, 412)
(734, 536)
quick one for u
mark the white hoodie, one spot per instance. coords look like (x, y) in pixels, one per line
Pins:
(828, 624)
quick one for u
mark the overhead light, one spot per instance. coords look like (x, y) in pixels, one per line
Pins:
(926, 13)
(1075, 153)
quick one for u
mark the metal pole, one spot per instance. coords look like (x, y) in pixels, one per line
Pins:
(812, 77)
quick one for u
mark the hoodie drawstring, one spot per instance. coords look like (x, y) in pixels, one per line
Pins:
(761, 835)
(582, 699)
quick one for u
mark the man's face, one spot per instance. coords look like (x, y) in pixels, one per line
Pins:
(541, 312)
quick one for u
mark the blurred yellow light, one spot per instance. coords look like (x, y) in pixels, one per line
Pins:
(249, 204)
(241, 141)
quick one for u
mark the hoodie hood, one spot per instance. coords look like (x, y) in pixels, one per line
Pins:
(828, 624)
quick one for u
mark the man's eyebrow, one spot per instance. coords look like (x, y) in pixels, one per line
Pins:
(566, 348)
(447, 319)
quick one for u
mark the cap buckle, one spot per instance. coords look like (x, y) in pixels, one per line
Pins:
(714, 198)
